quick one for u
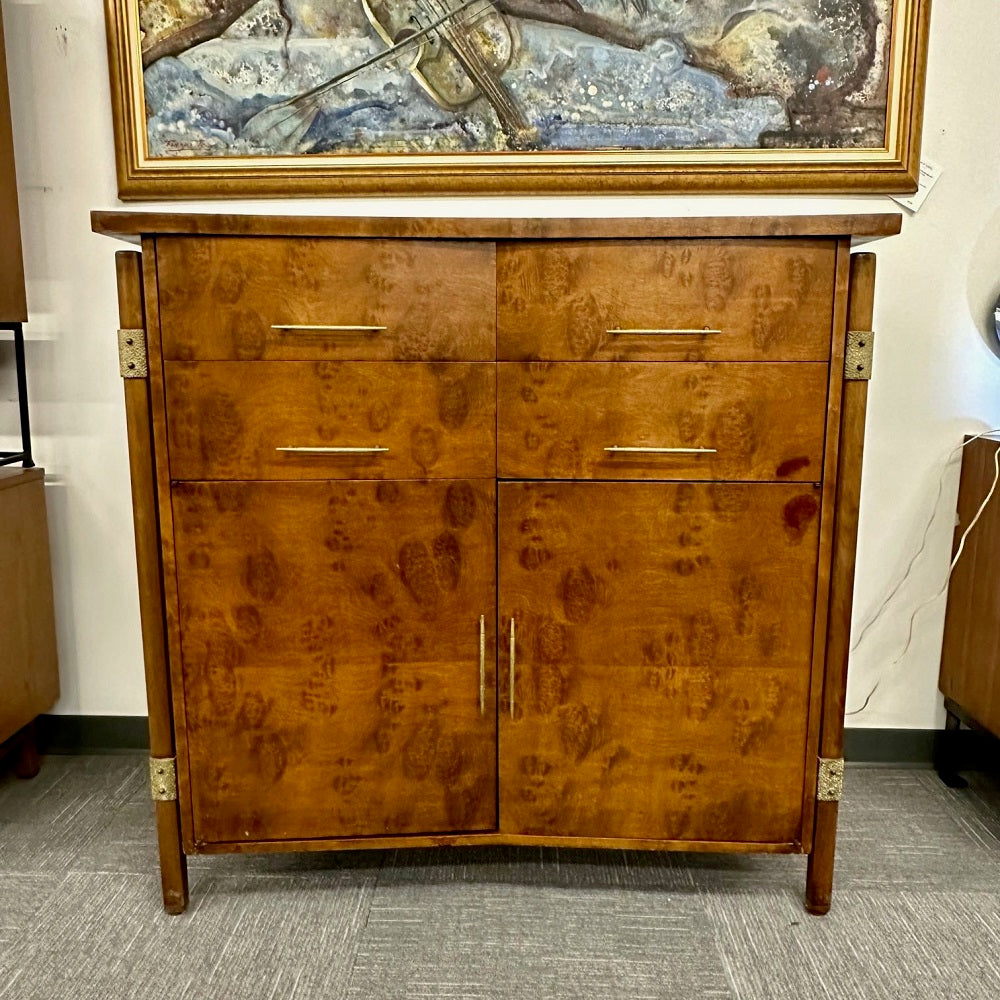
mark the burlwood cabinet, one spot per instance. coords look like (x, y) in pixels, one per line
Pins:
(457, 532)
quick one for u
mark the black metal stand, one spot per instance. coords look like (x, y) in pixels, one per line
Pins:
(24, 455)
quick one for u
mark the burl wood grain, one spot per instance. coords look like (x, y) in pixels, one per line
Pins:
(219, 299)
(663, 648)
(766, 421)
(330, 645)
(226, 419)
(771, 300)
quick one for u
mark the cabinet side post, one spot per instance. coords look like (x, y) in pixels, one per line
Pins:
(819, 880)
(173, 866)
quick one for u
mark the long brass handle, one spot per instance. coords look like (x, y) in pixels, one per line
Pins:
(327, 328)
(617, 449)
(309, 450)
(652, 332)
(482, 664)
(512, 646)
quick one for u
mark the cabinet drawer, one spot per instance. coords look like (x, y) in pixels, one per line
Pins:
(693, 421)
(249, 420)
(688, 300)
(304, 299)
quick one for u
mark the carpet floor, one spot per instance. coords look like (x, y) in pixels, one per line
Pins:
(916, 910)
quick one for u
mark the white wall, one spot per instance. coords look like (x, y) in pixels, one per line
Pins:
(935, 379)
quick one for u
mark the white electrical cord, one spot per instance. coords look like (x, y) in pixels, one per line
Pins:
(909, 568)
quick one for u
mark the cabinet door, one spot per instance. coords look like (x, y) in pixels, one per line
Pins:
(663, 640)
(330, 639)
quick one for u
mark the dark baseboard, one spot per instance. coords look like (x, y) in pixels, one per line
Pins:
(913, 747)
(69, 734)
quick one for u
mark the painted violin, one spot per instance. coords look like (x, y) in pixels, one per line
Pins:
(458, 55)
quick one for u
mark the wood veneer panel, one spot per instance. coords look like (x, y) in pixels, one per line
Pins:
(29, 675)
(766, 421)
(970, 657)
(330, 644)
(220, 298)
(662, 665)
(227, 419)
(126, 223)
(561, 300)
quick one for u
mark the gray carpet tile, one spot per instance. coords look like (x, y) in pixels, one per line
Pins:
(506, 942)
(47, 821)
(871, 946)
(105, 938)
(916, 909)
(903, 829)
(536, 866)
(20, 898)
(976, 809)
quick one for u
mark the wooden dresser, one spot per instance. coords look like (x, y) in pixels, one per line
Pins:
(495, 531)
(29, 665)
(970, 653)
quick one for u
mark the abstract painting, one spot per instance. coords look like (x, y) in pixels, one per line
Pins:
(318, 96)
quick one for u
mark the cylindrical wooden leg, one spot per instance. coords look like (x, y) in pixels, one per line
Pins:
(27, 762)
(819, 878)
(173, 863)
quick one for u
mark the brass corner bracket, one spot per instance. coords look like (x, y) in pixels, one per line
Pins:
(132, 354)
(858, 356)
(830, 780)
(163, 778)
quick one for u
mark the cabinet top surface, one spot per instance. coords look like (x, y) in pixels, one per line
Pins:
(18, 477)
(131, 224)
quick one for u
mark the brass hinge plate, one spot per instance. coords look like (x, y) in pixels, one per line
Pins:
(858, 359)
(132, 354)
(830, 780)
(163, 778)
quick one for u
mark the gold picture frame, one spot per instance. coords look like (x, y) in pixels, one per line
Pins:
(213, 169)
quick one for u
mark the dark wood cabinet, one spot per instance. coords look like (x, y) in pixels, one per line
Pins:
(497, 531)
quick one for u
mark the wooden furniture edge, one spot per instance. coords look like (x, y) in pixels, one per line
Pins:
(827, 543)
(173, 867)
(819, 878)
(492, 838)
(14, 476)
(125, 224)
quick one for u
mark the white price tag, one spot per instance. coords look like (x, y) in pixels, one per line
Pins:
(929, 174)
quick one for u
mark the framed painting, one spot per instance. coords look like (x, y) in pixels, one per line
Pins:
(238, 98)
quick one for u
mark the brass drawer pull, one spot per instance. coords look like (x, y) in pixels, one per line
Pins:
(375, 449)
(681, 332)
(482, 664)
(326, 328)
(618, 449)
(512, 668)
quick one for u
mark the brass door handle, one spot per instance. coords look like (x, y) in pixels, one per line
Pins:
(641, 450)
(333, 330)
(482, 664)
(310, 450)
(512, 658)
(652, 332)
